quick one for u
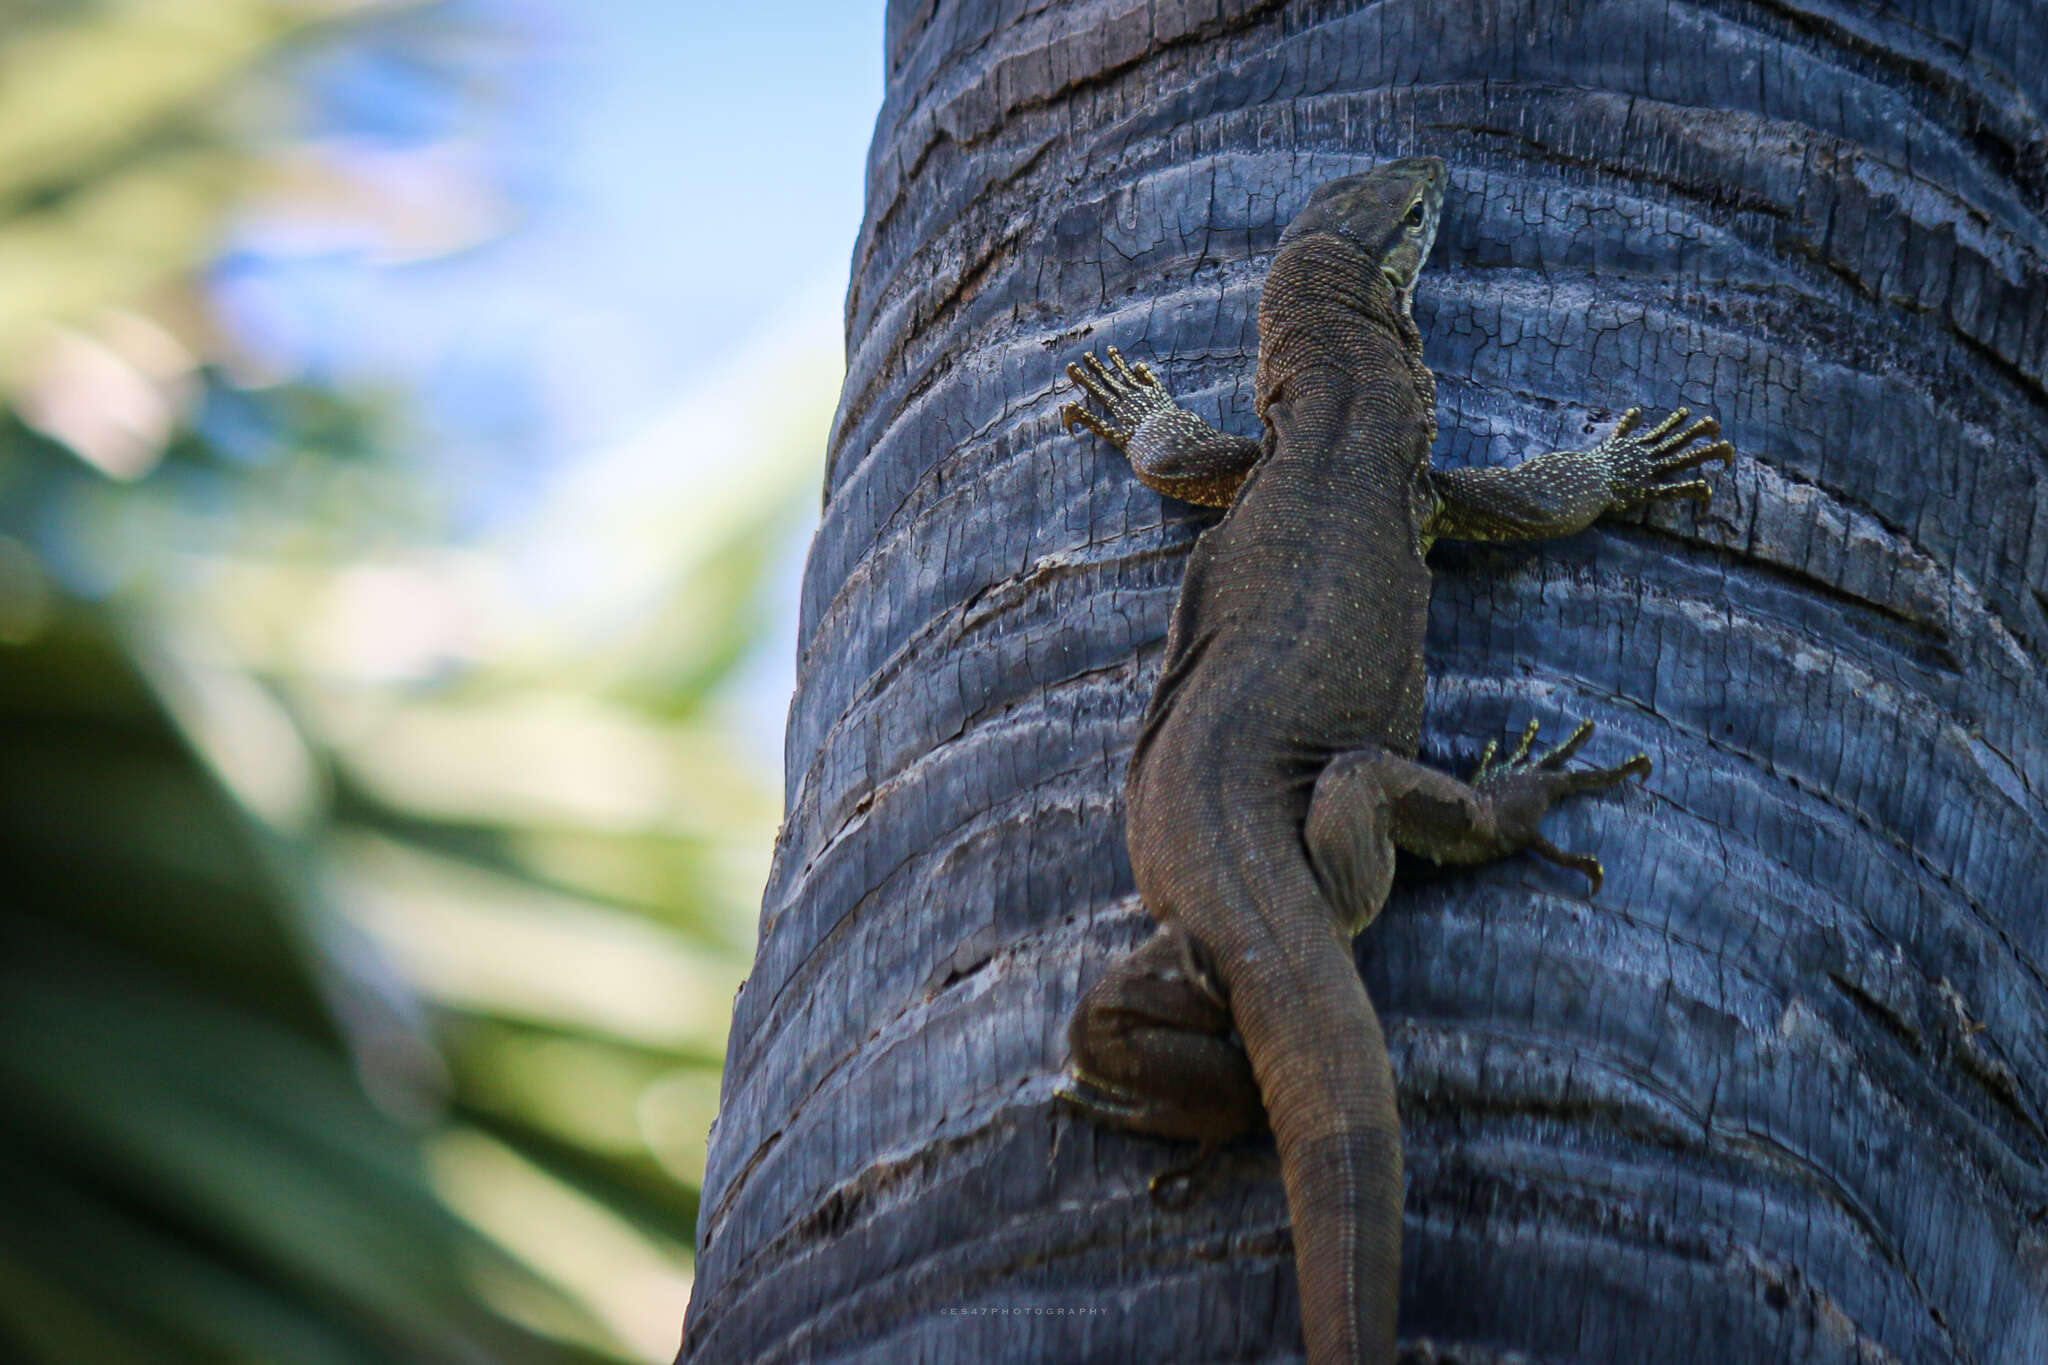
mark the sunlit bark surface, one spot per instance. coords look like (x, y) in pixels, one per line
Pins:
(1779, 1093)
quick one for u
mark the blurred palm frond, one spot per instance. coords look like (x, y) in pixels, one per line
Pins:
(364, 960)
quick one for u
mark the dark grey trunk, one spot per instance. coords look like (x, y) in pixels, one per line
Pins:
(1779, 1093)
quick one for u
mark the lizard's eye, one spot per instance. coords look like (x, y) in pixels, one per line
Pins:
(1414, 218)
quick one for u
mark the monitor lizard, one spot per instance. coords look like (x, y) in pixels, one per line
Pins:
(1274, 774)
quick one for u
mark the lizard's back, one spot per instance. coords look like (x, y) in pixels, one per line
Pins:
(1298, 636)
(1298, 633)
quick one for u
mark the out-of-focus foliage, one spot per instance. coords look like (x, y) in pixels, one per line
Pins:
(367, 934)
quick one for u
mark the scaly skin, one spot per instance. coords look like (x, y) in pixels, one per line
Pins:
(1274, 775)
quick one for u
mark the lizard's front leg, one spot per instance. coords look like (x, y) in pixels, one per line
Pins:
(1171, 450)
(1566, 490)
(1368, 803)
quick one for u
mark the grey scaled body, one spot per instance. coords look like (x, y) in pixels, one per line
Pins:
(1275, 772)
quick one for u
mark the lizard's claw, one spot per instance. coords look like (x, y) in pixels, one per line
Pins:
(1128, 394)
(1639, 464)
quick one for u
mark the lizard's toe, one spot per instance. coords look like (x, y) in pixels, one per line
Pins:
(1578, 862)
(1699, 490)
(1557, 757)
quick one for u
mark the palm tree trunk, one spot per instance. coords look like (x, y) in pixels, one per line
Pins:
(1777, 1094)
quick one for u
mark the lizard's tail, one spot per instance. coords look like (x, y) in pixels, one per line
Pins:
(1321, 1060)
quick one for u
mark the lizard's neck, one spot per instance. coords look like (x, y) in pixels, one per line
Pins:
(1327, 313)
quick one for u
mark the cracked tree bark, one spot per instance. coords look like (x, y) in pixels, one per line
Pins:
(1781, 1092)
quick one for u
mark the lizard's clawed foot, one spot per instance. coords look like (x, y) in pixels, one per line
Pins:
(1128, 393)
(1523, 787)
(1639, 465)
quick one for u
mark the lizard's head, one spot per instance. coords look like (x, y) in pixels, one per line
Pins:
(1390, 212)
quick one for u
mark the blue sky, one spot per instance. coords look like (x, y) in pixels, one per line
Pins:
(671, 179)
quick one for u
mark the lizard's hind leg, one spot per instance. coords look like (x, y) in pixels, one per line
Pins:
(1153, 1051)
(1370, 802)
